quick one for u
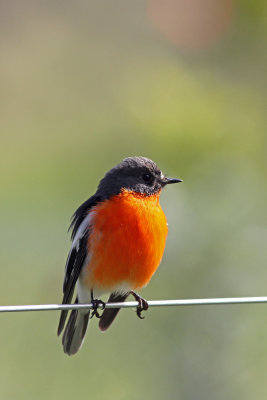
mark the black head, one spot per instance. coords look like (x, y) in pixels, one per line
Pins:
(138, 174)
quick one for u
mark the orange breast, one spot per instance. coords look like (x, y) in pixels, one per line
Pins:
(127, 242)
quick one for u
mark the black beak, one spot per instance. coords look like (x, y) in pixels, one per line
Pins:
(167, 181)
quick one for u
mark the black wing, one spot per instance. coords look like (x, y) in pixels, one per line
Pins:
(73, 269)
(81, 213)
(76, 256)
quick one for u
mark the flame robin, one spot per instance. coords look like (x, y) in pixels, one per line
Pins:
(118, 240)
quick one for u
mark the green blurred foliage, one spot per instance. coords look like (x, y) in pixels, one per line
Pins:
(83, 85)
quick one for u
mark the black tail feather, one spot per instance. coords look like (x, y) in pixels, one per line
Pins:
(62, 321)
(109, 314)
(75, 331)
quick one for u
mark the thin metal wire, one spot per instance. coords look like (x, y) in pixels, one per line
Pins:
(130, 304)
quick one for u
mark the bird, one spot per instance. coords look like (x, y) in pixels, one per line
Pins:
(118, 240)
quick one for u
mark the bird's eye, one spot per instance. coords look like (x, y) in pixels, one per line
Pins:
(146, 177)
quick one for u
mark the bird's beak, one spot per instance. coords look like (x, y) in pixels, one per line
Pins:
(167, 181)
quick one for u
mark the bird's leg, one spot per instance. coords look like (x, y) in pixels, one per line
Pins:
(142, 304)
(96, 303)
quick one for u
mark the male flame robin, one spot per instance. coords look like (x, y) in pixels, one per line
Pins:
(118, 241)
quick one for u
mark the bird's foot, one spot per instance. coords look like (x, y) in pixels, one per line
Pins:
(142, 304)
(96, 303)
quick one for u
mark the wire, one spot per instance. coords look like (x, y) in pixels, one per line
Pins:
(130, 304)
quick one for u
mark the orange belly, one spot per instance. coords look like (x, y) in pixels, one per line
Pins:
(126, 243)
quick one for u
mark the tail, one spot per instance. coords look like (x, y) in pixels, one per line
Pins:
(109, 314)
(75, 330)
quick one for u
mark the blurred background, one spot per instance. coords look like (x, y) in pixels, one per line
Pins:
(83, 85)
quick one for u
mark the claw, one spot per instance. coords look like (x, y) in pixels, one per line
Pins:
(96, 303)
(142, 304)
